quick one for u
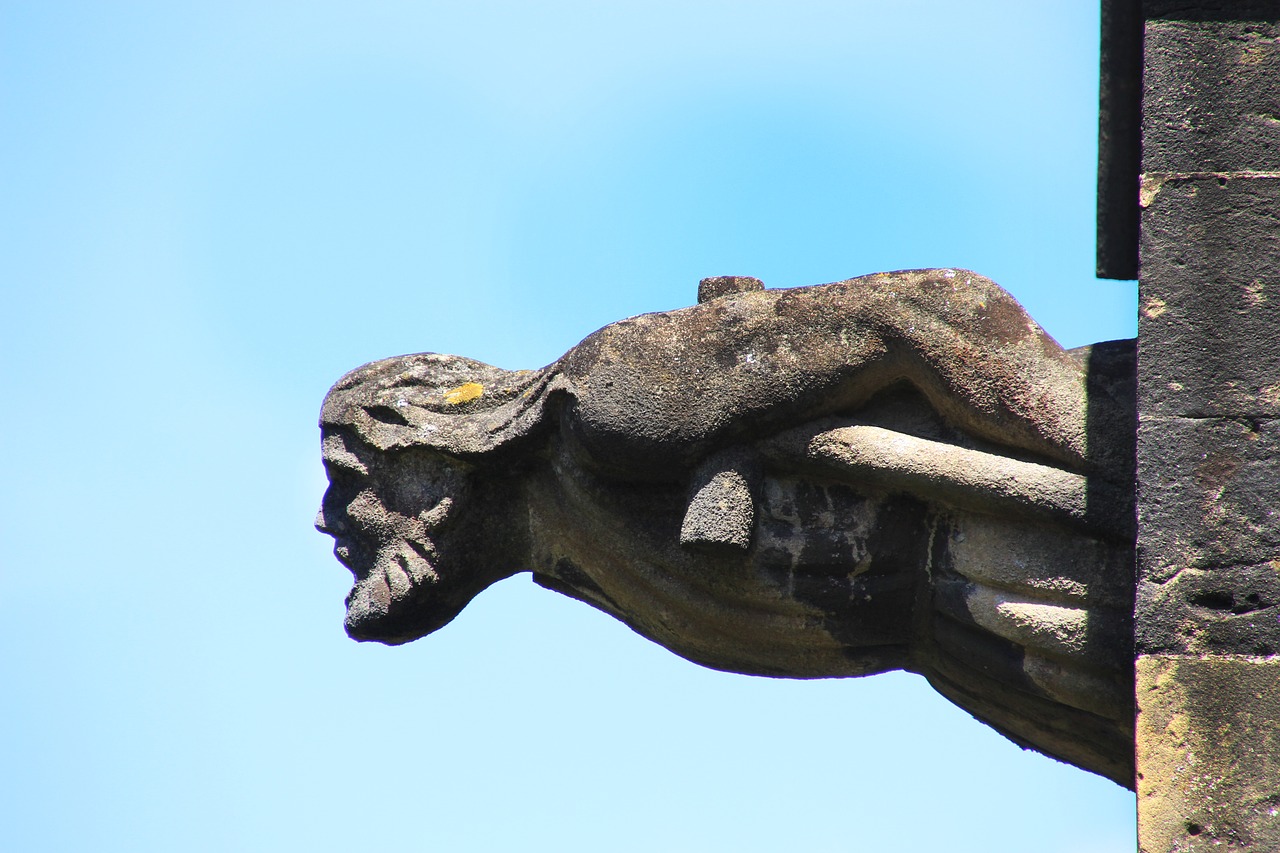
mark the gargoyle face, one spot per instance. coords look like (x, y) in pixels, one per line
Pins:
(389, 514)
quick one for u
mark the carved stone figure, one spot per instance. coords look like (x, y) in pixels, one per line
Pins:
(899, 471)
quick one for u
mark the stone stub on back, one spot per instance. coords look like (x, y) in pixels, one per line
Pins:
(898, 471)
(723, 285)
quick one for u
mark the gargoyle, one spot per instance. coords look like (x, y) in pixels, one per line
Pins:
(898, 471)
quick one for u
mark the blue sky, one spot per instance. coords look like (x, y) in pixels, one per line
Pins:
(212, 211)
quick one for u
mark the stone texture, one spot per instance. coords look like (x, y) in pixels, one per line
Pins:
(721, 515)
(1209, 393)
(724, 285)
(1211, 10)
(1209, 343)
(1208, 743)
(1219, 610)
(899, 471)
(1119, 138)
(1212, 95)
(1207, 495)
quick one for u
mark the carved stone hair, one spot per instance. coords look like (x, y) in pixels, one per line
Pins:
(458, 406)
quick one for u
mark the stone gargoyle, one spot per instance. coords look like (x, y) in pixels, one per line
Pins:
(898, 471)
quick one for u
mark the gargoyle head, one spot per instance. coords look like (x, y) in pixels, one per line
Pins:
(420, 501)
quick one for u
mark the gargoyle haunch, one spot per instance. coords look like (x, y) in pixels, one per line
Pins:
(899, 471)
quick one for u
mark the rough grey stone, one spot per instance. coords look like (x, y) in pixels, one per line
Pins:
(1207, 494)
(900, 471)
(1211, 96)
(1209, 383)
(1210, 10)
(1209, 343)
(1119, 138)
(721, 515)
(1209, 536)
(723, 285)
(1221, 610)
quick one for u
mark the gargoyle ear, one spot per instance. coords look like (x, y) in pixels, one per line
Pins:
(721, 515)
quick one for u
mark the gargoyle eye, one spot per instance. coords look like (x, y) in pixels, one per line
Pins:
(339, 460)
(387, 415)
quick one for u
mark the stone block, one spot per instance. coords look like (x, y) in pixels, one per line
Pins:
(1209, 536)
(1212, 95)
(1208, 341)
(1206, 495)
(1208, 748)
(1210, 10)
(1223, 610)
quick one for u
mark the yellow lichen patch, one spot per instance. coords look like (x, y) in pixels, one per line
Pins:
(1153, 307)
(1149, 188)
(464, 393)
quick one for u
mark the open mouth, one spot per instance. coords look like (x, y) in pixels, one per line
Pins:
(342, 552)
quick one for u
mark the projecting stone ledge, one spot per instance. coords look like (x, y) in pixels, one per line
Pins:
(1208, 743)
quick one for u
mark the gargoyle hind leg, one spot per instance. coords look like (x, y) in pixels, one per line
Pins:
(1025, 620)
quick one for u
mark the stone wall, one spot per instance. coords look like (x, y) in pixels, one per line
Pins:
(1207, 619)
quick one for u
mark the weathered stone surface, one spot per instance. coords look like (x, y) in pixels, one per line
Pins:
(1119, 138)
(1211, 10)
(1209, 343)
(1220, 610)
(1212, 95)
(724, 285)
(1208, 742)
(1207, 497)
(1209, 393)
(900, 471)
(721, 515)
